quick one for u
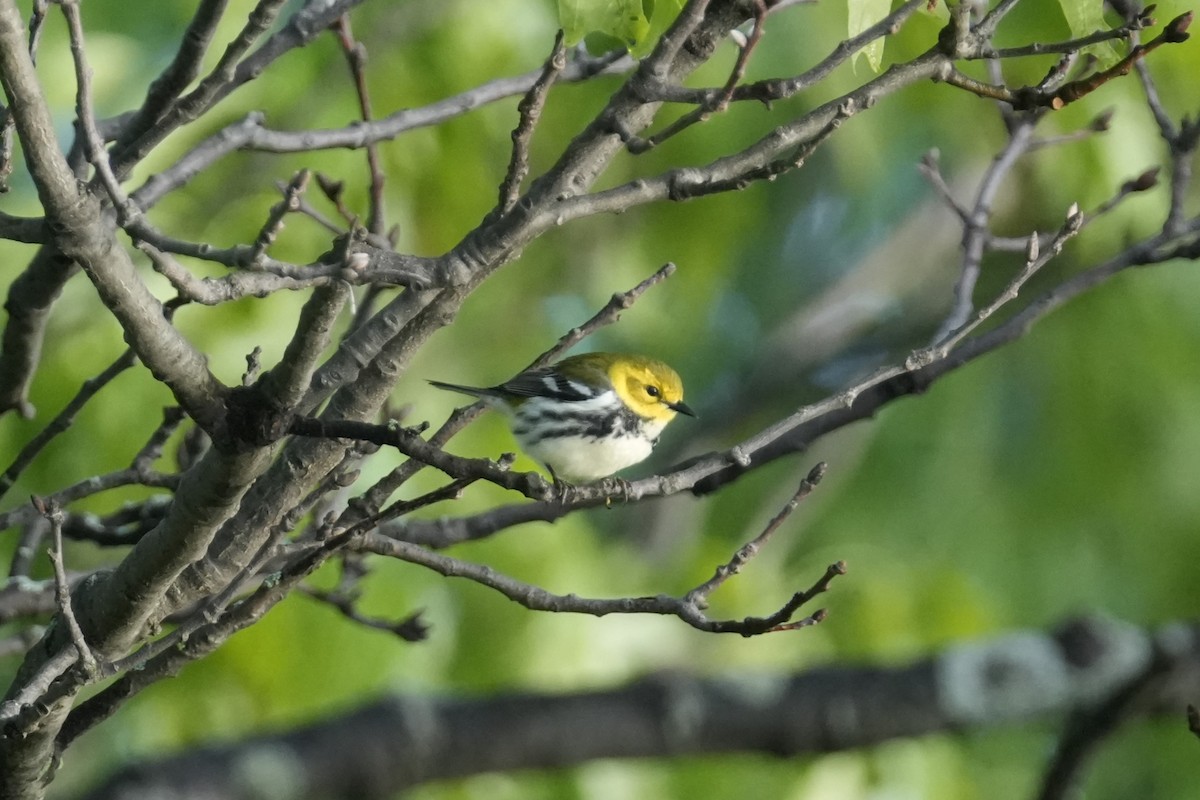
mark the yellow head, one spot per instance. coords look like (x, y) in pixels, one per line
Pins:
(648, 387)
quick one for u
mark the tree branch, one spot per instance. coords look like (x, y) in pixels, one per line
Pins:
(687, 608)
(1012, 679)
(83, 236)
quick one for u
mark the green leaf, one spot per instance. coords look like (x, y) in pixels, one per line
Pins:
(661, 14)
(864, 14)
(624, 20)
(1085, 17)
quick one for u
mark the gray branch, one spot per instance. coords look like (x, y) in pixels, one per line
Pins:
(1019, 678)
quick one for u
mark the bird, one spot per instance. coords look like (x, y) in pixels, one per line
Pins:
(587, 416)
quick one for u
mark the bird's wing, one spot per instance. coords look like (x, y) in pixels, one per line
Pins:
(547, 382)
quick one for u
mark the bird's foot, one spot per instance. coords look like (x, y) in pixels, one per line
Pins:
(562, 492)
(616, 489)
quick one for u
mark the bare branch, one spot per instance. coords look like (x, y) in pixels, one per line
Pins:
(809, 712)
(205, 633)
(785, 148)
(535, 598)
(212, 88)
(1034, 261)
(274, 224)
(250, 517)
(86, 117)
(183, 69)
(699, 595)
(62, 590)
(530, 109)
(1029, 98)
(976, 233)
(168, 355)
(719, 102)
(409, 442)
(356, 58)
(410, 629)
(771, 90)
(63, 420)
(987, 27)
(251, 134)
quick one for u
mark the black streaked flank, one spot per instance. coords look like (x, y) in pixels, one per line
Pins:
(553, 424)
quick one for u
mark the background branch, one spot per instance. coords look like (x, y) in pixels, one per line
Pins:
(810, 712)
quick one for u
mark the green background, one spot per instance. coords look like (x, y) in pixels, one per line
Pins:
(1054, 477)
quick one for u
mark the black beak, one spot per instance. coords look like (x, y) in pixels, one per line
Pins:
(682, 408)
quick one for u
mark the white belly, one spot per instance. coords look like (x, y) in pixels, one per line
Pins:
(579, 459)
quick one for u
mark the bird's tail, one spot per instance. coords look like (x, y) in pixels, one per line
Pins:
(471, 390)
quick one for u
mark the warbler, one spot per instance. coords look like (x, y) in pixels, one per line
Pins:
(590, 415)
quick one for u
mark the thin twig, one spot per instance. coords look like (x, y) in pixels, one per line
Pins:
(274, 224)
(410, 629)
(96, 152)
(409, 442)
(250, 133)
(770, 90)
(1181, 140)
(720, 100)
(1014, 244)
(63, 420)
(700, 594)
(537, 599)
(530, 110)
(37, 21)
(211, 88)
(1035, 260)
(183, 69)
(62, 589)
(312, 212)
(139, 473)
(124, 527)
(1028, 98)
(356, 59)
(930, 168)
(1166, 125)
(203, 632)
(975, 236)
(50, 672)
(1126, 31)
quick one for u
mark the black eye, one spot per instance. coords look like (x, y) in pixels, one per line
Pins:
(653, 391)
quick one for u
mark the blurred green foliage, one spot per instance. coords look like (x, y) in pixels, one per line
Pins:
(1053, 477)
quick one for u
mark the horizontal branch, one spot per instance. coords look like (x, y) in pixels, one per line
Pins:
(785, 148)
(795, 433)
(689, 608)
(30, 230)
(1031, 97)
(774, 89)
(371, 501)
(251, 133)
(1012, 679)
